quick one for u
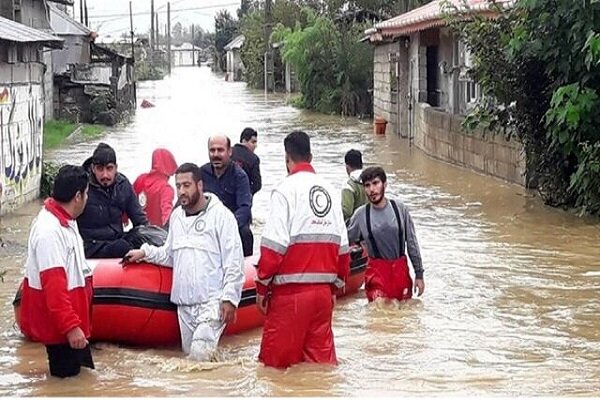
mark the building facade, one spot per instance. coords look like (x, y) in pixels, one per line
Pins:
(423, 90)
(22, 98)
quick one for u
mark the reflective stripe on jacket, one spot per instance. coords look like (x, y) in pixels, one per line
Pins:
(304, 240)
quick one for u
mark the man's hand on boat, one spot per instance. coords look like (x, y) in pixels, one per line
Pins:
(135, 255)
(227, 312)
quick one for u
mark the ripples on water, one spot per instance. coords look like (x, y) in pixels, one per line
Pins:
(512, 287)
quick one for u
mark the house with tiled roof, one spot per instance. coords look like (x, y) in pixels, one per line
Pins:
(422, 89)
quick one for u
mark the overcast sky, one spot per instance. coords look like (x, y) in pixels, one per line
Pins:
(111, 17)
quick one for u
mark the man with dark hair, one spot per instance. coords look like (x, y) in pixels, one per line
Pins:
(304, 260)
(230, 183)
(110, 197)
(353, 194)
(205, 252)
(389, 231)
(244, 156)
(57, 291)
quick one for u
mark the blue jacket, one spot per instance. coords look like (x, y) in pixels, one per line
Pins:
(232, 188)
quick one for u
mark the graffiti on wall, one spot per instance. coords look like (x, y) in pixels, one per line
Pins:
(21, 119)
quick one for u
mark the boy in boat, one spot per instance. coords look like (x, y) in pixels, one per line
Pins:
(57, 291)
(205, 251)
(388, 229)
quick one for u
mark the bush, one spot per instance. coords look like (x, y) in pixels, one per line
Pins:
(49, 171)
(542, 83)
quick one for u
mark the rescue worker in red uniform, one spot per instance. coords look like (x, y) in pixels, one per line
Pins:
(57, 290)
(388, 230)
(153, 189)
(304, 259)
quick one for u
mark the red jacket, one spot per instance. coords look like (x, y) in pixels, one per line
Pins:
(57, 291)
(304, 241)
(153, 189)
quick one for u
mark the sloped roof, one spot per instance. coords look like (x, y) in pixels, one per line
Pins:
(431, 15)
(236, 43)
(63, 24)
(12, 31)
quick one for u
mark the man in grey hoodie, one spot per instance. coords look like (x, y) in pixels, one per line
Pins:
(388, 230)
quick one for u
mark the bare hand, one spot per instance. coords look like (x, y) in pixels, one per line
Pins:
(333, 300)
(76, 338)
(262, 303)
(227, 312)
(419, 287)
(133, 256)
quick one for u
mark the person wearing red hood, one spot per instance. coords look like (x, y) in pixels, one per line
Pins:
(153, 189)
(57, 291)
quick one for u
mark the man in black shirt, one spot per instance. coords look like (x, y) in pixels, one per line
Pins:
(243, 155)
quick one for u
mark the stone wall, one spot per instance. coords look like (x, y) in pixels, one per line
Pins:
(21, 133)
(440, 135)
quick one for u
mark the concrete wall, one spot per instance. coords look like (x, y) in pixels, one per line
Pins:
(382, 97)
(48, 88)
(21, 133)
(440, 135)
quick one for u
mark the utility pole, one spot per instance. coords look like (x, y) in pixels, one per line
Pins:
(169, 37)
(151, 27)
(157, 33)
(81, 11)
(86, 13)
(131, 33)
(193, 50)
(269, 50)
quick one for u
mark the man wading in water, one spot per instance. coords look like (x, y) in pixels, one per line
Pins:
(389, 230)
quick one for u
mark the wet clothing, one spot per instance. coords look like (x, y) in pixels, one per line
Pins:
(101, 224)
(201, 328)
(57, 290)
(154, 193)
(233, 189)
(309, 339)
(205, 252)
(250, 163)
(65, 361)
(304, 259)
(388, 233)
(353, 195)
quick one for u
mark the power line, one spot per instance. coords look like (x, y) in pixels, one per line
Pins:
(164, 12)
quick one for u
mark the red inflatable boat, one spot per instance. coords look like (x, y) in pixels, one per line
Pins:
(131, 305)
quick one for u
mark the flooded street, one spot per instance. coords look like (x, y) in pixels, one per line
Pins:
(512, 287)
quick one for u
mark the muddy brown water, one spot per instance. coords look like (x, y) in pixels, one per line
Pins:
(512, 287)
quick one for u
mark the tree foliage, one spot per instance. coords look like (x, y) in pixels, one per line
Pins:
(226, 28)
(541, 82)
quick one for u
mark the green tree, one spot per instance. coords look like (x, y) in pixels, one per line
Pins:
(542, 83)
(225, 30)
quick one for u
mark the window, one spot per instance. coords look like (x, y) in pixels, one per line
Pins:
(472, 89)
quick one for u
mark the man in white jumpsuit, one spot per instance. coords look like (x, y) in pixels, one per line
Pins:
(205, 251)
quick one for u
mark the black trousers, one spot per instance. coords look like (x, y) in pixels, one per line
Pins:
(247, 240)
(64, 361)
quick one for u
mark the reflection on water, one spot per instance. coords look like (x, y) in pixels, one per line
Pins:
(512, 286)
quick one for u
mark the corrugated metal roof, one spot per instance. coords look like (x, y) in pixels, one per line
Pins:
(15, 32)
(62, 24)
(430, 15)
(236, 43)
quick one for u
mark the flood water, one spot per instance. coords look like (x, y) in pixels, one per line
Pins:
(512, 287)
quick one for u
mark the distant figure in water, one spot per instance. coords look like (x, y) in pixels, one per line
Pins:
(389, 231)
(153, 190)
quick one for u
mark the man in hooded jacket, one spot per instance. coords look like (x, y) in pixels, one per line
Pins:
(110, 196)
(153, 190)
